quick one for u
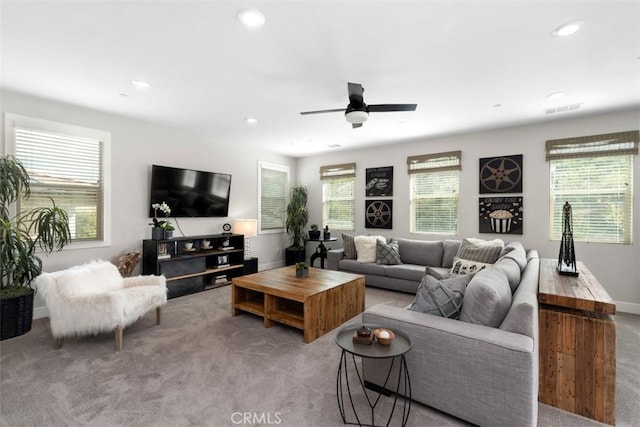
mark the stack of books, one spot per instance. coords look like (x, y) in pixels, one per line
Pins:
(220, 280)
(358, 339)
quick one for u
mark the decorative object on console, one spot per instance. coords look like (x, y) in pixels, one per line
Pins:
(302, 269)
(226, 228)
(314, 233)
(127, 262)
(162, 229)
(249, 228)
(567, 256)
(363, 335)
(326, 234)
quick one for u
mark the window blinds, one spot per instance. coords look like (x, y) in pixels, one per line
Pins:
(434, 192)
(69, 170)
(274, 182)
(595, 175)
(338, 196)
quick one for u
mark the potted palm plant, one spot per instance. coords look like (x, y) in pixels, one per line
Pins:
(296, 221)
(21, 235)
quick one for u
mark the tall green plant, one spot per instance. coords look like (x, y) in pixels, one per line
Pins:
(22, 234)
(297, 216)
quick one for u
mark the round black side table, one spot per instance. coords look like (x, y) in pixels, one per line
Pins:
(396, 351)
(321, 250)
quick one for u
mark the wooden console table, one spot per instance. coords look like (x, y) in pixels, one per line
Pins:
(577, 343)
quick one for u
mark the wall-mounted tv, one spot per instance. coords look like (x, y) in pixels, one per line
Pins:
(190, 193)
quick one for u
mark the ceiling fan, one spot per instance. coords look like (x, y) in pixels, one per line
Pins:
(357, 112)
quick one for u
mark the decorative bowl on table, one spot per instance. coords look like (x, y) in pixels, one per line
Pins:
(384, 336)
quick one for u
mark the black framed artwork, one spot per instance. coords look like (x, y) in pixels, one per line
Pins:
(501, 215)
(379, 182)
(378, 214)
(501, 174)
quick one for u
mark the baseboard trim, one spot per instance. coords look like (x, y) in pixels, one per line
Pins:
(40, 312)
(627, 307)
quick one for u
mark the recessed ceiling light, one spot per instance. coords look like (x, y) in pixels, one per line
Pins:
(251, 18)
(555, 95)
(568, 29)
(251, 120)
(140, 85)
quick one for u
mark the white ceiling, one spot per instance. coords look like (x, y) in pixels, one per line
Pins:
(469, 65)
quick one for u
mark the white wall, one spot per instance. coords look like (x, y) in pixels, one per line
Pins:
(617, 267)
(135, 146)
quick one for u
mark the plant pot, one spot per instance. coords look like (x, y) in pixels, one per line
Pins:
(327, 235)
(294, 255)
(16, 314)
(168, 234)
(157, 233)
(302, 273)
(314, 234)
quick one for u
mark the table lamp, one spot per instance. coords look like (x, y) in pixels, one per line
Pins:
(248, 227)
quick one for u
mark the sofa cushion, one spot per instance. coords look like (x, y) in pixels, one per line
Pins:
(450, 250)
(405, 271)
(387, 253)
(440, 297)
(464, 266)
(366, 247)
(349, 246)
(421, 252)
(487, 251)
(437, 272)
(487, 298)
(516, 252)
(510, 269)
(353, 266)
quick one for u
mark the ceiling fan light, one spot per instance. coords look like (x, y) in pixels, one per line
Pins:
(357, 116)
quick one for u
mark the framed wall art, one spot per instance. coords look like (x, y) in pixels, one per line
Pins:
(502, 215)
(501, 174)
(378, 214)
(379, 182)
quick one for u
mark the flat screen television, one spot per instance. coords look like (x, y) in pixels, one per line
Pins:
(190, 193)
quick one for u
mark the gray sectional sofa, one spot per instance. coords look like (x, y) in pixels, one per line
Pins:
(482, 367)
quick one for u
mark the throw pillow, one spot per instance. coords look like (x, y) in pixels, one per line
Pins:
(440, 297)
(480, 250)
(487, 299)
(349, 246)
(387, 254)
(465, 266)
(366, 247)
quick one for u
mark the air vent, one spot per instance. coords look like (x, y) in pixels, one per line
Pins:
(562, 109)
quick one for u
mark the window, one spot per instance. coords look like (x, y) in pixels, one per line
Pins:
(70, 165)
(272, 200)
(595, 175)
(338, 196)
(434, 192)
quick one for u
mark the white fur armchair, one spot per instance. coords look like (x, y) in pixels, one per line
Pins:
(94, 298)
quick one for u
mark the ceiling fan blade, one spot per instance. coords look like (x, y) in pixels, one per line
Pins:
(378, 108)
(356, 99)
(335, 110)
(356, 125)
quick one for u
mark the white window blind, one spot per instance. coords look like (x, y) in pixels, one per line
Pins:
(70, 170)
(274, 184)
(595, 175)
(435, 180)
(338, 196)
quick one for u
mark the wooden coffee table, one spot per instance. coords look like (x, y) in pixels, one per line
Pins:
(316, 304)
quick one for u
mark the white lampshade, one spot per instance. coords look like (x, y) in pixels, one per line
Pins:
(357, 117)
(248, 227)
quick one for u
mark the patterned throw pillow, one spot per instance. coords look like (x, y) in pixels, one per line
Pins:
(349, 246)
(465, 266)
(487, 251)
(387, 254)
(440, 297)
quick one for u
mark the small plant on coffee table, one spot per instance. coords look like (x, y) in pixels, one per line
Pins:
(302, 269)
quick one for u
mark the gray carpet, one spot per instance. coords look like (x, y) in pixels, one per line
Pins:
(202, 367)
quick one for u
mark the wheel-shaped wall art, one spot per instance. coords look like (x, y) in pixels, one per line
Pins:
(378, 214)
(501, 174)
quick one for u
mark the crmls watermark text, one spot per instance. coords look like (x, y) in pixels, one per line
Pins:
(256, 418)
